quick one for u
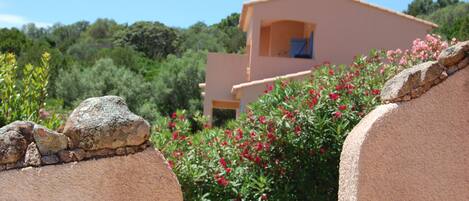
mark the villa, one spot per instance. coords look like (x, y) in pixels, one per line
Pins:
(286, 38)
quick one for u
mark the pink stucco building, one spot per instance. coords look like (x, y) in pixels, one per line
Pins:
(286, 38)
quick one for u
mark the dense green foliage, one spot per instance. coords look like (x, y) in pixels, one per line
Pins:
(156, 68)
(452, 16)
(425, 7)
(23, 99)
(288, 145)
(453, 21)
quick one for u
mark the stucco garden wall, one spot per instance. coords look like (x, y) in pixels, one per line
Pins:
(102, 153)
(416, 147)
(141, 176)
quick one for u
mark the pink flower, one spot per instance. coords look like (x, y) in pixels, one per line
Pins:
(262, 119)
(170, 164)
(174, 115)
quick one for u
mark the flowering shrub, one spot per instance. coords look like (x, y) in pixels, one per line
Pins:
(422, 50)
(287, 146)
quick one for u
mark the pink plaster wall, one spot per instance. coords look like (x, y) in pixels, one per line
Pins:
(141, 176)
(343, 30)
(417, 150)
(222, 72)
(280, 34)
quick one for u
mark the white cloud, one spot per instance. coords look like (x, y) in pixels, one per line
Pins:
(7, 20)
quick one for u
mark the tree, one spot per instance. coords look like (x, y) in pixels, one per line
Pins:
(235, 39)
(420, 7)
(200, 37)
(154, 39)
(12, 41)
(453, 21)
(426, 7)
(177, 84)
(64, 36)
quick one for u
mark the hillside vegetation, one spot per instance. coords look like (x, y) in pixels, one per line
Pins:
(156, 68)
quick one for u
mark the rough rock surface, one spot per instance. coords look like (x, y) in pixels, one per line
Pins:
(405, 82)
(105, 123)
(49, 142)
(452, 55)
(23, 127)
(32, 157)
(12, 146)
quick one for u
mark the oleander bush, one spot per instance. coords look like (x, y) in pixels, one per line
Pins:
(287, 146)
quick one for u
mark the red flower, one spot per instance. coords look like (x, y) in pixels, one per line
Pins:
(322, 150)
(259, 146)
(258, 160)
(228, 170)
(312, 92)
(375, 91)
(240, 134)
(264, 197)
(253, 134)
(269, 88)
(262, 119)
(221, 180)
(339, 87)
(182, 137)
(224, 143)
(171, 125)
(174, 115)
(314, 101)
(331, 72)
(206, 126)
(297, 130)
(223, 162)
(342, 107)
(229, 133)
(271, 136)
(337, 114)
(334, 96)
(175, 135)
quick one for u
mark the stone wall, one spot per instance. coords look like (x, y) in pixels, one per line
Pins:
(79, 160)
(416, 145)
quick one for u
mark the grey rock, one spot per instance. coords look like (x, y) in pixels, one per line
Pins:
(25, 128)
(71, 155)
(403, 83)
(120, 151)
(32, 156)
(105, 123)
(12, 146)
(454, 54)
(451, 70)
(48, 141)
(50, 159)
(100, 153)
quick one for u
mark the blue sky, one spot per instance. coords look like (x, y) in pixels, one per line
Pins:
(179, 13)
